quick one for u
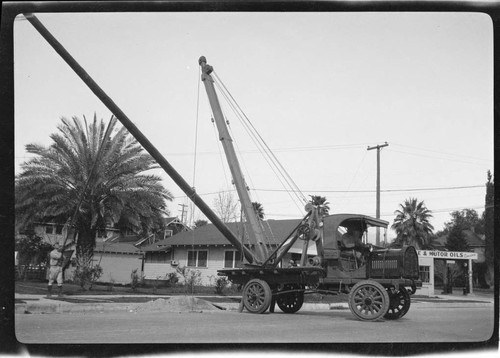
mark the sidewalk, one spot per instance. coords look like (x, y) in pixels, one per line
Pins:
(32, 303)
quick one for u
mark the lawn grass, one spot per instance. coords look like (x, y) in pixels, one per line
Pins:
(70, 289)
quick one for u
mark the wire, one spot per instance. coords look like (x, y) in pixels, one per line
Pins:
(442, 210)
(435, 151)
(385, 190)
(434, 157)
(259, 142)
(354, 176)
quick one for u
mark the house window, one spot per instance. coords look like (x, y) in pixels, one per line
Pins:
(49, 229)
(197, 258)
(424, 272)
(168, 233)
(159, 257)
(231, 258)
(59, 229)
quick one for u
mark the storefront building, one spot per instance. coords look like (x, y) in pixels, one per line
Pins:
(427, 266)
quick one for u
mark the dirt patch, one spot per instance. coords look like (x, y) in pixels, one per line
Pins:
(177, 304)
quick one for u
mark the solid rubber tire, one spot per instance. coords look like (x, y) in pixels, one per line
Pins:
(399, 305)
(290, 302)
(257, 296)
(368, 300)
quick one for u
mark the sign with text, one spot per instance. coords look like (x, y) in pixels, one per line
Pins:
(447, 254)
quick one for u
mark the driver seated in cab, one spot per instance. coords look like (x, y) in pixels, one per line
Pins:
(351, 242)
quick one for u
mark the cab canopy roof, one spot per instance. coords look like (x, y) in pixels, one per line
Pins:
(332, 222)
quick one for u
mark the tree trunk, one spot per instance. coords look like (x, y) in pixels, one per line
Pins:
(85, 246)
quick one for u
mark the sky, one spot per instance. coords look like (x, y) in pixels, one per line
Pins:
(319, 88)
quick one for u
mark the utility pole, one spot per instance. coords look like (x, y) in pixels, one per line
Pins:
(141, 138)
(378, 147)
(183, 210)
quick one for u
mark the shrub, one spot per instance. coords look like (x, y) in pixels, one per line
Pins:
(111, 283)
(219, 283)
(87, 275)
(191, 277)
(172, 279)
(136, 280)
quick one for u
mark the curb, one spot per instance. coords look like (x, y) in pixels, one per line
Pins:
(71, 308)
(67, 307)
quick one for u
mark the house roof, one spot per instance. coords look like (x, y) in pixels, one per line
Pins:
(473, 239)
(117, 247)
(174, 220)
(275, 230)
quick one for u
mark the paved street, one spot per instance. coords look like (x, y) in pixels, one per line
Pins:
(421, 324)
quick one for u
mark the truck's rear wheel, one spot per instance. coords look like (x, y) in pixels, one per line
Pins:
(257, 296)
(399, 303)
(368, 300)
(290, 302)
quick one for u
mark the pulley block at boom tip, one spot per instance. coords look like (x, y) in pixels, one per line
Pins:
(205, 68)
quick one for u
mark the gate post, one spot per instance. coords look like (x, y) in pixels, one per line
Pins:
(470, 276)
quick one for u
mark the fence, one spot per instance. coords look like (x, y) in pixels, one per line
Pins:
(31, 272)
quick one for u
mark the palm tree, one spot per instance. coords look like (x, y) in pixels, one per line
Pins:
(118, 193)
(259, 210)
(412, 224)
(321, 203)
(429, 242)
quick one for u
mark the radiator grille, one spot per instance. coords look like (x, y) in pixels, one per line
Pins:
(387, 264)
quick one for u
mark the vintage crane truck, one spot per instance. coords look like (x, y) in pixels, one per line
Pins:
(378, 280)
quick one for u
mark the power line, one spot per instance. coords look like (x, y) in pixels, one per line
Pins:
(354, 191)
(443, 210)
(439, 152)
(256, 151)
(385, 190)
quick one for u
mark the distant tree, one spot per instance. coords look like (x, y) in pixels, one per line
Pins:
(456, 240)
(488, 228)
(321, 203)
(259, 210)
(412, 224)
(119, 192)
(199, 223)
(226, 207)
(466, 219)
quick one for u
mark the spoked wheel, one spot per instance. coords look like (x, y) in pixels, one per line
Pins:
(257, 296)
(399, 303)
(290, 302)
(368, 300)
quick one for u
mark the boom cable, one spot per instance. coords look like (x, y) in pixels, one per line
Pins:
(271, 159)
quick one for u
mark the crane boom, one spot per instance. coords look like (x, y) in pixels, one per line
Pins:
(256, 234)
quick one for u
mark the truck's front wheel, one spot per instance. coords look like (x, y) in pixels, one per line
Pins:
(399, 303)
(368, 300)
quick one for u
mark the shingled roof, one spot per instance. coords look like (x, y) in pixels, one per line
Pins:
(473, 239)
(275, 230)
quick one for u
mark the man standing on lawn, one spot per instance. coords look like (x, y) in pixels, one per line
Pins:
(55, 270)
